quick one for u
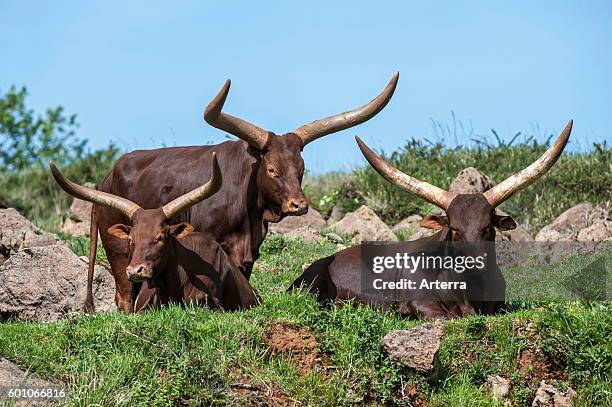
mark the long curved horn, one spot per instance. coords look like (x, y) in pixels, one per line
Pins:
(342, 121)
(416, 187)
(504, 190)
(255, 136)
(125, 206)
(199, 194)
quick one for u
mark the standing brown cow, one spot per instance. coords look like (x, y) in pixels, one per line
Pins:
(176, 263)
(262, 176)
(469, 218)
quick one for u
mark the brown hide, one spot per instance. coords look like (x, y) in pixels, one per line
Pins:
(199, 273)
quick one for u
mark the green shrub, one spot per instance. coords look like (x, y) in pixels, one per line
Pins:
(576, 177)
(27, 143)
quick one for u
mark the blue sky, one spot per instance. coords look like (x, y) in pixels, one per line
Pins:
(140, 73)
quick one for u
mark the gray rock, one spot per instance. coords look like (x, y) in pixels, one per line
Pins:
(411, 228)
(306, 233)
(471, 181)
(12, 375)
(499, 386)
(549, 234)
(364, 225)
(575, 218)
(411, 222)
(583, 222)
(45, 283)
(336, 214)
(549, 395)
(79, 216)
(598, 231)
(416, 348)
(312, 218)
(520, 234)
(17, 233)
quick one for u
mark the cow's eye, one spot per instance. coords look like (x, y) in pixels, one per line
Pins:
(272, 172)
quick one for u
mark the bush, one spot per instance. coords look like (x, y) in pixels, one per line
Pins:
(27, 143)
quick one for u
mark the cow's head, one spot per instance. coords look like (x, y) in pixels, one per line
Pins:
(149, 234)
(281, 167)
(470, 217)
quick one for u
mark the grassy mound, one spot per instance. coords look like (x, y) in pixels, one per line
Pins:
(291, 351)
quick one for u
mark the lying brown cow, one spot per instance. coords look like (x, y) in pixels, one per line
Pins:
(469, 218)
(175, 263)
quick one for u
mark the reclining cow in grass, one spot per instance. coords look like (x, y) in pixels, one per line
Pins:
(175, 263)
(469, 218)
(262, 173)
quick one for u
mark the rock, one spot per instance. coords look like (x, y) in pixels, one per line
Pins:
(45, 283)
(520, 234)
(336, 214)
(416, 348)
(470, 181)
(12, 376)
(79, 216)
(311, 218)
(411, 229)
(583, 222)
(575, 218)
(306, 233)
(549, 395)
(74, 228)
(548, 234)
(598, 231)
(364, 225)
(16, 233)
(411, 222)
(500, 386)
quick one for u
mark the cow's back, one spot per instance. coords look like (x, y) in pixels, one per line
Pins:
(152, 178)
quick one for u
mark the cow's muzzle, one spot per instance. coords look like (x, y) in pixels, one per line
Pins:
(295, 206)
(138, 273)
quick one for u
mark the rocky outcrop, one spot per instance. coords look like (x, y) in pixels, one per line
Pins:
(499, 387)
(40, 277)
(45, 283)
(416, 348)
(311, 218)
(470, 181)
(583, 222)
(410, 228)
(551, 395)
(16, 233)
(79, 216)
(364, 225)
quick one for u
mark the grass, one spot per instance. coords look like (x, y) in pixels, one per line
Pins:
(193, 356)
(575, 178)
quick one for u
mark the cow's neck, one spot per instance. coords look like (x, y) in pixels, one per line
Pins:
(173, 279)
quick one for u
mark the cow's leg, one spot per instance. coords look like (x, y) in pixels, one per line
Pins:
(124, 287)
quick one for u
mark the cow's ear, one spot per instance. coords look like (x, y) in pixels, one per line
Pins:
(504, 222)
(119, 231)
(181, 230)
(435, 222)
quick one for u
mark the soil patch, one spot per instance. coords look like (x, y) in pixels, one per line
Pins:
(299, 342)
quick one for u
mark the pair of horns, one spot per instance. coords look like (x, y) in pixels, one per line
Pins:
(494, 196)
(258, 137)
(129, 208)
